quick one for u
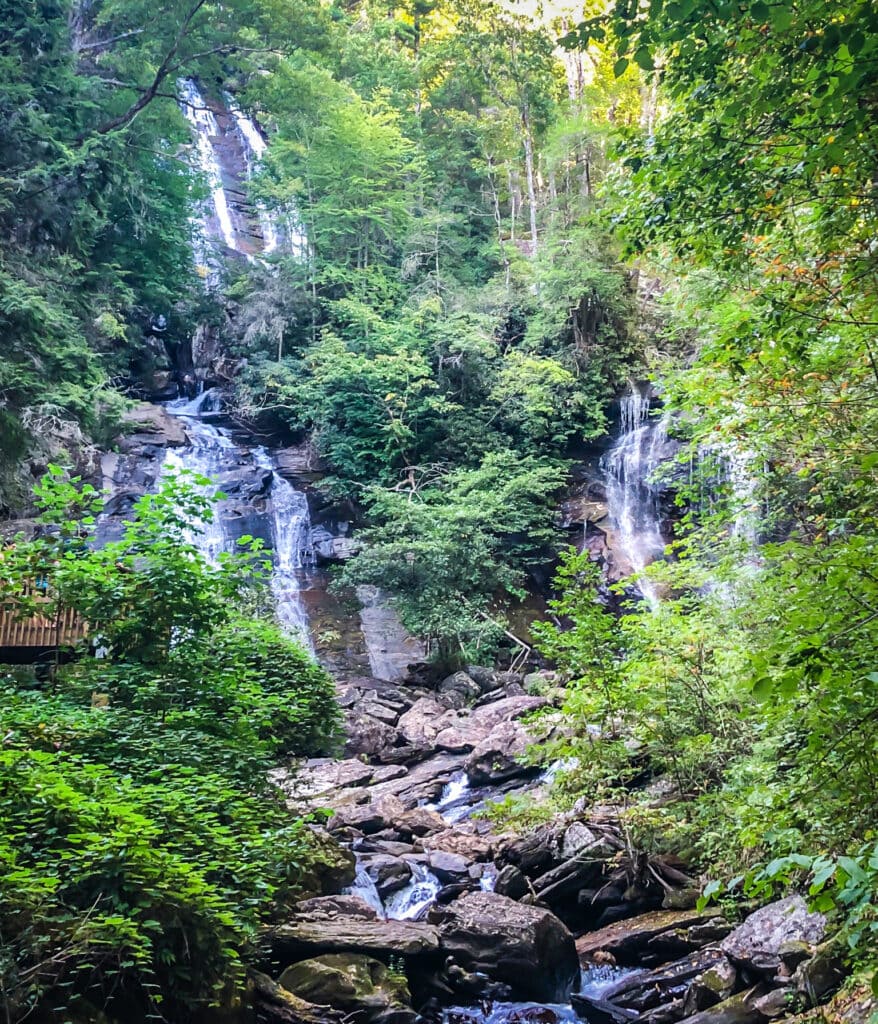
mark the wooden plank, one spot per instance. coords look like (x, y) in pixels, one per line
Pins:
(38, 630)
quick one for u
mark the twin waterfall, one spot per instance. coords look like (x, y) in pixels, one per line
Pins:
(228, 147)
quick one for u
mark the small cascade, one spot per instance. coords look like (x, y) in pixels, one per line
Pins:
(599, 981)
(412, 902)
(632, 496)
(365, 888)
(488, 881)
(510, 1013)
(456, 799)
(208, 450)
(293, 551)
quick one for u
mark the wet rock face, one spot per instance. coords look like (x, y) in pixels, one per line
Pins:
(525, 948)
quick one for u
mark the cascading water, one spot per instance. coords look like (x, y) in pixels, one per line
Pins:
(410, 903)
(254, 146)
(229, 146)
(511, 1013)
(407, 904)
(205, 130)
(211, 453)
(632, 496)
(365, 888)
(293, 551)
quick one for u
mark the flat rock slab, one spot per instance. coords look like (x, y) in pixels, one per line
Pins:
(151, 424)
(627, 939)
(306, 937)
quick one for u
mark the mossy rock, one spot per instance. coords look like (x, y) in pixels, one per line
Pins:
(363, 987)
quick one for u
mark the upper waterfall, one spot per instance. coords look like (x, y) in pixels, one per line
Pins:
(228, 148)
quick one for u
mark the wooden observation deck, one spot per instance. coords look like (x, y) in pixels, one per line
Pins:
(18, 629)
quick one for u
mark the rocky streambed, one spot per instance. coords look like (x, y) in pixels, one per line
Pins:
(439, 917)
(427, 912)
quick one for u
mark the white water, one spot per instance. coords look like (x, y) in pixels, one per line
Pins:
(365, 888)
(511, 1013)
(412, 902)
(254, 146)
(293, 551)
(632, 496)
(210, 452)
(205, 131)
(600, 980)
(407, 904)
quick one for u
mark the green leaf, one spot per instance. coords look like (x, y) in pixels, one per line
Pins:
(620, 67)
(643, 59)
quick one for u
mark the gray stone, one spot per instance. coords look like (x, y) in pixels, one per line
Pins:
(310, 936)
(526, 948)
(578, 837)
(766, 930)
(448, 867)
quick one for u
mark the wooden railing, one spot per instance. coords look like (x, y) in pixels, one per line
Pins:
(20, 629)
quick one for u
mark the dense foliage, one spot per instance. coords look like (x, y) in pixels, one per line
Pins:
(449, 342)
(753, 685)
(141, 845)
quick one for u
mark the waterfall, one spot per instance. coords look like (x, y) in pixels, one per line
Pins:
(228, 148)
(365, 888)
(407, 904)
(254, 146)
(632, 496)
(206, 131)
(293, 550)
(210, 453)
(412, 902)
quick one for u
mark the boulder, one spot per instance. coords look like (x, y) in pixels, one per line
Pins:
(526, 948)
(456, 840)
(758, 941)
(448, 867)
(740, 1009)
(487, 679)
(363, 987)
(388, 873)
(152, 424)
(312, 935)
(497, 757)
(368, 736)
(337, 906)
(365, 818)
(423, 722)
(460, 683)
(647, 989)
(419, 821)
(273, 1004)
